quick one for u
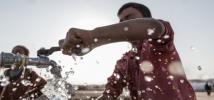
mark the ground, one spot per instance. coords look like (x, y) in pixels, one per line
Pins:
(90, 95)
(203, 96)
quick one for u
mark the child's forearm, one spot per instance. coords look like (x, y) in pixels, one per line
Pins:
(132, 30)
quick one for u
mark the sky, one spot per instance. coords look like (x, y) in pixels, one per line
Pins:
(41, 23)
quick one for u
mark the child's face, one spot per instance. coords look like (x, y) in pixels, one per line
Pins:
(20, 51)
(129, 13)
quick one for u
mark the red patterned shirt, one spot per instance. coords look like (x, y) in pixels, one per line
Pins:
(152, 71)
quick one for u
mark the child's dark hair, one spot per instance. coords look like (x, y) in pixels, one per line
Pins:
(140, 7)
(19, 48)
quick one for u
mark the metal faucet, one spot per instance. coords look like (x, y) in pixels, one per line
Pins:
(9, 59)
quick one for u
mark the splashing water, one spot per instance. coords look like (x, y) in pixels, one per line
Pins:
(4, 81)
(58, 88)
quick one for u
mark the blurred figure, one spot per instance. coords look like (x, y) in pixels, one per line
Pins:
(208, 88)
(24, 83)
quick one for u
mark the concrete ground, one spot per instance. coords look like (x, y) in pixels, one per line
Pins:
(203, 96)
(88, 95)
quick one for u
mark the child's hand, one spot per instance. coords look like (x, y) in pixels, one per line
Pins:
(77, 41)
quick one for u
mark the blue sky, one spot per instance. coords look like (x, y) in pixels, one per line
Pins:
(41, 23)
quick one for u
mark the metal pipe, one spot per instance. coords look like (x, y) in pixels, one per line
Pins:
(9, 59)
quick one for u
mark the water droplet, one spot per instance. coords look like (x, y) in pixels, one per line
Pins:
(139, 93)
(143, 91)
(117, 76)
(14, 83)
(126, 28)
(148, 89)
(170, 77)
(88, 97)
(78, 46)
(13, 66)
(199, 68)
(14, 89)
(107, 91)
(182, 81)
(17, 84)
(156, 86)
(26, 82)
(166, 36)
(150, 39)
(148, 78)
(95, 40)
(193, 48)
(38, 79)
(32, 95)
(137, 57)
(134, 49)
(85, 50)
(176, 68)
(76, 88)
(146, 66)
(59, 89)
(159, 40)
(97, 62)
(60, 82)
(150, 31)
(4, 81)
